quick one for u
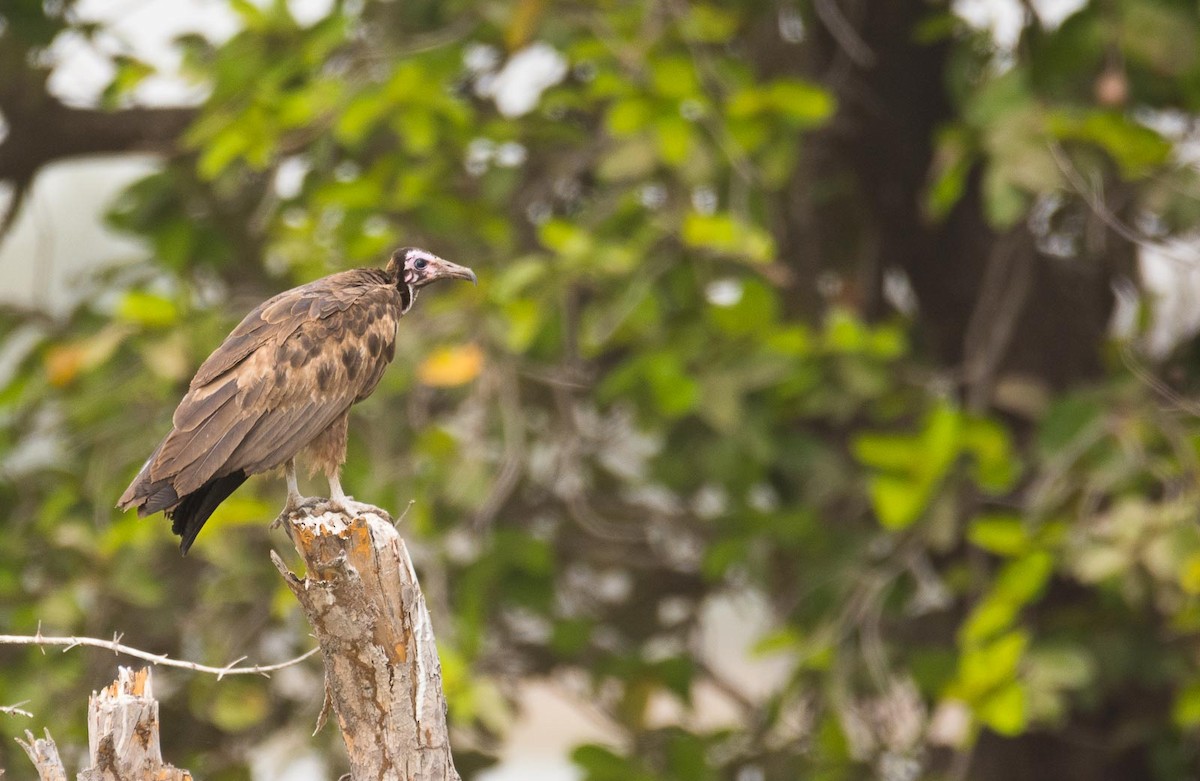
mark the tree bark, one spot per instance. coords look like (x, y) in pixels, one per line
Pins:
(383, 678)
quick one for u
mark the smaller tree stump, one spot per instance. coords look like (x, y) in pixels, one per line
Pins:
(122, 736)
(123, 732)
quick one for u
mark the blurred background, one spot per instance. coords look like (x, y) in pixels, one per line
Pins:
(823, 411)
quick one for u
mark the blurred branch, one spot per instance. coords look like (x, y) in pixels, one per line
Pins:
(717, 84)
(726, 687)
(1177, 401)
(844, 33)
(513, 426)
(19, 190)
(383, 677)
(1094, 198)
(1003, 294)
(43, 130)
(116, 647)
(51, 131)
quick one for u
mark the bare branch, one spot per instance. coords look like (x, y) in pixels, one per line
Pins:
(1007, 280)
(117, 647)
(20, 189)
(16, 710)
(41, 129)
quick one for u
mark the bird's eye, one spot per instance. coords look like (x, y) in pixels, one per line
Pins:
(420, 263)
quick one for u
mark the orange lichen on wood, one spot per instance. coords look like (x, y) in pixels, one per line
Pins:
(137, 686)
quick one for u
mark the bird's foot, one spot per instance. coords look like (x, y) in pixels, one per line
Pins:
(347, 506)
(294, 506)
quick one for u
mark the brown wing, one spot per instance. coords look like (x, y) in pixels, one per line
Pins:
(290, 368)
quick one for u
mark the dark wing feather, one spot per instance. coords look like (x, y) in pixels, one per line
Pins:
(288, 371)
(188, 517)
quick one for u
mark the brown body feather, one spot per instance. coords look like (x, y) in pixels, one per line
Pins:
(283, 381)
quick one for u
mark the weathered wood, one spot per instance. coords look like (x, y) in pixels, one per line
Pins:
(44, 755)
(123, 732)
(382, 673)
(122, 736)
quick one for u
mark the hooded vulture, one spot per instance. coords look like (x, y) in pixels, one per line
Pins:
(283, 382)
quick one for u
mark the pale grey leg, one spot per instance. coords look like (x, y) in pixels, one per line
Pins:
(295, 500)
(336, 494)
(339, 502)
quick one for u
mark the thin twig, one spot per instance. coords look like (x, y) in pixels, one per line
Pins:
(844, 33)
(1095, 202)
(396, 523)
(731, 690)
(116, 647)
(1008, 279)
(513, 428)
(16, 710)
(1157, 385)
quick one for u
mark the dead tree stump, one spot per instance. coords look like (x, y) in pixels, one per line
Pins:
(122, 736)
(44, 755)
(383, 678)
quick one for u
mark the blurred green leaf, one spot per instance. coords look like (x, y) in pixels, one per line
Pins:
(1137, 149)
(147, 309)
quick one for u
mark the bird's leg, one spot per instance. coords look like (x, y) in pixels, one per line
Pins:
(336, 494)
(295, 500)
(289, 471)
(345, 504)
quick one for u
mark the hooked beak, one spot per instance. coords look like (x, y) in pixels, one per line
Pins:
(455, 271)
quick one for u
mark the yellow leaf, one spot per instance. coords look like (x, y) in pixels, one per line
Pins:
(450, 366)
(65, 361)
(1189, 577)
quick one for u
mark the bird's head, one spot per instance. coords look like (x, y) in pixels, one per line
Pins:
(414, 268)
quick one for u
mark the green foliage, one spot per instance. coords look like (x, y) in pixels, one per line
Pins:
(637, 413)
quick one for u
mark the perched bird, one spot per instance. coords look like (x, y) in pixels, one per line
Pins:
(283, 382)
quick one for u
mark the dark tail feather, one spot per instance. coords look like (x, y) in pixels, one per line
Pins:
(190, 514)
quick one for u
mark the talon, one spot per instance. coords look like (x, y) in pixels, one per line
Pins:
(347, 506)
(293, 506)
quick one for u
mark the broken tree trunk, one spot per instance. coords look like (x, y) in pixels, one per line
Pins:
(383, 678)
(44, 755)
(122, 736)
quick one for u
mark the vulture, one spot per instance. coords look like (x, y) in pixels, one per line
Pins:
(282, 383)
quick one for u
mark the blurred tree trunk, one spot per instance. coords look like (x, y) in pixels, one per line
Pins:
(1011, 321)
(991, 304)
